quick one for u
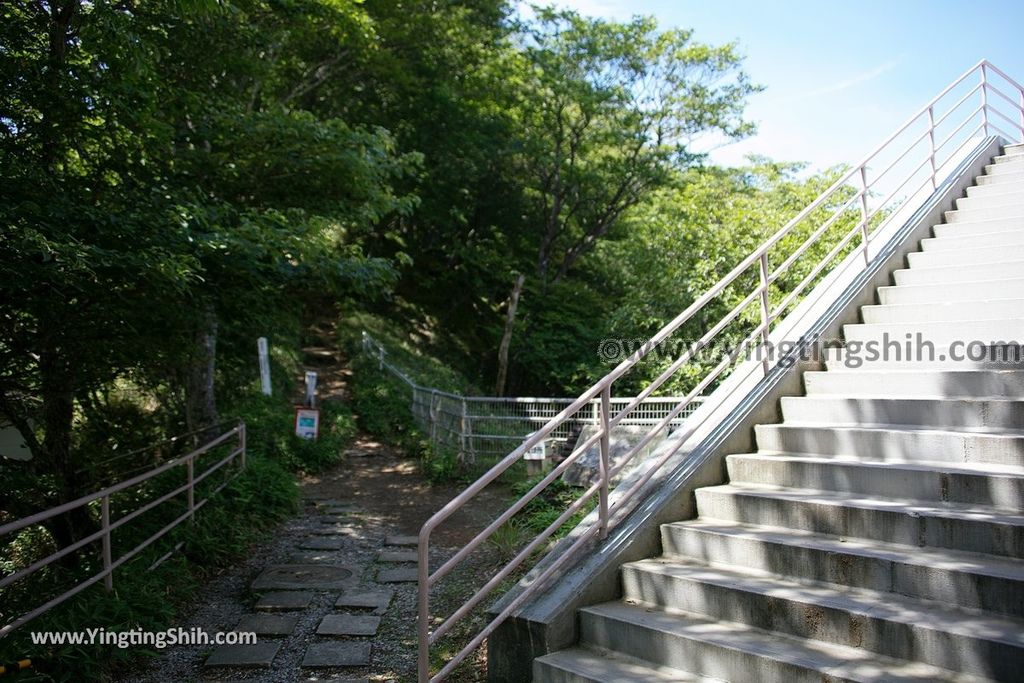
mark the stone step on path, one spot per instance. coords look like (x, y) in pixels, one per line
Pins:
(342, 637)
(398, 553)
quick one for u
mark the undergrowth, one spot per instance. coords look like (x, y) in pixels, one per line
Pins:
(223, 530)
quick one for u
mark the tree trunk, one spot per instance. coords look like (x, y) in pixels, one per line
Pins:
(201, 401)
(57, 417)
(506, 337)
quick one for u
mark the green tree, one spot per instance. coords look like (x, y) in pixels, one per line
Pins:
(610, 112)
(162, 183)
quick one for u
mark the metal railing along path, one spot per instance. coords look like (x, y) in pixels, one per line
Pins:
(492, 425)
(233, 438)
(897, 176)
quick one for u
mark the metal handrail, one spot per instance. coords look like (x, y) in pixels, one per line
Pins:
(851, 189)
(108, 526)
(458, 417)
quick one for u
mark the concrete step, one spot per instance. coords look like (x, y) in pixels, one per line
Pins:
(1013, 202)
(1011, 157)
(949, 293)
(967, 580)
(991, 309)
(917, 383)
(1007, 224)
(737, 652)
(1003, 180)
(1015, 176)
(939, 332)
(995, 189)
(981, 255)
(1004, 167)
(1007, 270)
(997, 487)
(977, 529)
(980, 214)
(875, 621)
(960, 358)
(593, 665)
(939, 412)
(992, 240)
(891, 444)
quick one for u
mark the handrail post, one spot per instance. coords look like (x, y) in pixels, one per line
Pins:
(1020, 96)
(463, 423)
(864, 212)
(432, 413)
(423, 609)
(984, 98)
(763, 261)
(604, 467)
(242, 443)
(931, 138)
(108, 578)
(191, 493)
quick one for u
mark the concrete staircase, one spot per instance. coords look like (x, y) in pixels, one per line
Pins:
(878, 532)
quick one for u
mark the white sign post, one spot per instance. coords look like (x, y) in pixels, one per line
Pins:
(261, 346)
(311, 389)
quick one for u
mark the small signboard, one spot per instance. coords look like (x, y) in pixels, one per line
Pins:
(307, 422)
(537, 452)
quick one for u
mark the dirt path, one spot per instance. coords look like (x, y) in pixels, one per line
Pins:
(390, 487)
(345, 543)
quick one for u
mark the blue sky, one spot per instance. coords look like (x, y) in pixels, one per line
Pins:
(839, 76)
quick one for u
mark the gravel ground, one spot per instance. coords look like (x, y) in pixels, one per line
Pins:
(389, 497)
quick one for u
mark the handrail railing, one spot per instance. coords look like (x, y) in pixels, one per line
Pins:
(108, 525)
(490, 425)
(853, 198)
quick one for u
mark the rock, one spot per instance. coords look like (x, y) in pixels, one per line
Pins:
(378, 600)
(267, 624)
(304, 576)
(284, 600)
(348, 625)
(258, 655)
(340, 653)
(585, 471)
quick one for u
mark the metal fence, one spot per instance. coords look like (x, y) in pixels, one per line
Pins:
(493, 426)
(117, 514)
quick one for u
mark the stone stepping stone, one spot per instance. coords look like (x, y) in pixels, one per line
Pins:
(397, 556)
(305, 577)
(332, 503)
(335, 529)
(342, 512)
(256, 656)
(403, 540)
(378, 600)
(404, 575)
(348, 625)
(315, 557)
(337, 654)
(337, 507)
(322, 543)
(267, 624)
(284, 600)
